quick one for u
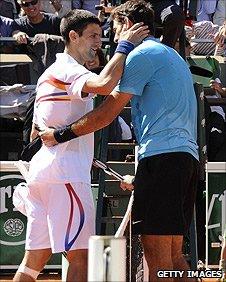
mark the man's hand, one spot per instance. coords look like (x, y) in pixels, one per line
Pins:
(220, 36)
(48, 137)
(127, 183)
(20, 37)
(217, 86)
(135, 33)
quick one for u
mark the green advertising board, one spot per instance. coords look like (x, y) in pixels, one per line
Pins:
(216, 211)
(12, 222)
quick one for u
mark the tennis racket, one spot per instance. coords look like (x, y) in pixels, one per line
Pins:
(107, 169)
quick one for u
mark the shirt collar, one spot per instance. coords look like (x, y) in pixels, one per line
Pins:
(66, 58)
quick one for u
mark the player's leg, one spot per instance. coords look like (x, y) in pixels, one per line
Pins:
(153, 214)
(33, 262)
(157, 250)
(78, 261)
(188, 184)
(179, 262)
(37, 246)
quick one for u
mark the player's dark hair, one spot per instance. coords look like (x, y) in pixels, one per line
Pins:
(136, 11)
(76, 20)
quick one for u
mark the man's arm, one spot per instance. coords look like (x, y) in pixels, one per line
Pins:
(94, 120)
(17, 32)
(220, 36)
(108, 78)
(106, 81)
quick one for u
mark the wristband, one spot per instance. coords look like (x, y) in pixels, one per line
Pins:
(124, 47)
(64, 134)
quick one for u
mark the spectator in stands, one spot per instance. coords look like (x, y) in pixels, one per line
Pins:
(7, 74)
(58, 7)
(171, 17)
(220, 13)
(88, 5)
(34, 22)
(206, 10)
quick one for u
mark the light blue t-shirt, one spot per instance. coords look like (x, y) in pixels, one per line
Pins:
(164, 107)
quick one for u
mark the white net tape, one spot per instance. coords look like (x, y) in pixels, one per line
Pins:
(127, 217)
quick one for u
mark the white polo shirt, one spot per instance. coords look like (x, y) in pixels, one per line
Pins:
(58, 103)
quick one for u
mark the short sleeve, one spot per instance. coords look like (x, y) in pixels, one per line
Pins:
(78, 81)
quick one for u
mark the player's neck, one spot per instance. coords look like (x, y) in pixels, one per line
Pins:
(74, 54)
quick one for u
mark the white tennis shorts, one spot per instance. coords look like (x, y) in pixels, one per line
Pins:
(60, 216)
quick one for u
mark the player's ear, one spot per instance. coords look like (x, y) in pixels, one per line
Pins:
(73, 35)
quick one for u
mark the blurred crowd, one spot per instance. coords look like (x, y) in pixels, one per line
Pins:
(204, 20)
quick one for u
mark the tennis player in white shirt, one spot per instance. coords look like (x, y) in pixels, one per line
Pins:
(59, 205)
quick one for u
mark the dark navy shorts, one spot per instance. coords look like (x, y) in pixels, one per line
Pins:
(164, 194)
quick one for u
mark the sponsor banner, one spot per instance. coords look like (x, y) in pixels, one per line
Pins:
(12, 222)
